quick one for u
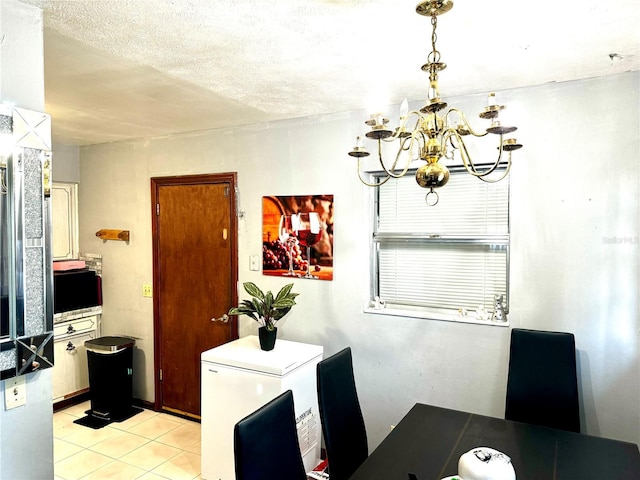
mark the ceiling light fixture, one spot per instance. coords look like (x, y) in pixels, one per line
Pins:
(434, 135)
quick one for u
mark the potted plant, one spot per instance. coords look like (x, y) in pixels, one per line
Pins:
(266, 309)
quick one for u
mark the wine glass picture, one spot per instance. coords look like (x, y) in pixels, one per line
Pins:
(286, 234)
(308, 232)
(285, 241)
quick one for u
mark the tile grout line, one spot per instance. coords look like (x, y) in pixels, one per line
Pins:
(179, 450)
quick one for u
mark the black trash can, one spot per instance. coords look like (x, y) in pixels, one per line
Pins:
(110, 362)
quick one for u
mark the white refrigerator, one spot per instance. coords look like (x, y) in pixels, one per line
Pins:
(238, 378)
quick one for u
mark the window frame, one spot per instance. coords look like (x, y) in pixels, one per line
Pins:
(432, 312)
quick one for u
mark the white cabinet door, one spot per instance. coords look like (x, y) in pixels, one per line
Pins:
(70, 372)
(64, 200)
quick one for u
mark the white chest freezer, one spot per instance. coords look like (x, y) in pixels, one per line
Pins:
(238, 378)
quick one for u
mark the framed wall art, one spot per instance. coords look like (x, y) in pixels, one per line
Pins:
(297, 236)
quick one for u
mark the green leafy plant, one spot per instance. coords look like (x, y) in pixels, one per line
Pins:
(264, 308)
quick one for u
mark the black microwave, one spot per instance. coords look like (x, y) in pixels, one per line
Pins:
(76, 289)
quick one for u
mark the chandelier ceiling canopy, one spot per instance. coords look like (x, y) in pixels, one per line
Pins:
(434, 132)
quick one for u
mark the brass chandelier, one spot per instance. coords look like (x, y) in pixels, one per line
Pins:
(435, 135)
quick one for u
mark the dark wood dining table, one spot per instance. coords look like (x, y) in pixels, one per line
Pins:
(429, 440)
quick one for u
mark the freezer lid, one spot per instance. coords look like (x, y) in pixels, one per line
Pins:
(246, 353)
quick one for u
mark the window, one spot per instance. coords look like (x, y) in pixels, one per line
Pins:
(447, 259)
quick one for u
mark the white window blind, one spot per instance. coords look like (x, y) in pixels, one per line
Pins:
(450, 256)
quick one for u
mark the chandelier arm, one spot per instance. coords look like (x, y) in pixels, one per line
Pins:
(416, 136)
(506, 172)
(468, 161)
(390, 171)
(417, 113)
(463, 117)
(401, 128)
(446, 137)
(409, 114)
(369, 184)
(470, 166)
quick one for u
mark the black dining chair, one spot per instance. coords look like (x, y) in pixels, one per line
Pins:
(343, 428)
(542, 386)
(266, 443)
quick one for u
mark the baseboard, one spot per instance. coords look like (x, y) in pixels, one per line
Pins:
(143, 404)
(181, 414)
(70, 401)
(84, 396)
(137, 402)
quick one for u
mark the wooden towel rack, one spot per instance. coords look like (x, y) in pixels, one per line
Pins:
(106, 234)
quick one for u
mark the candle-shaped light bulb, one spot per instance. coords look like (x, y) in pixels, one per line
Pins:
(404, 109)
(359, 150)
(379, 120)
(491, 100)
(434, 92)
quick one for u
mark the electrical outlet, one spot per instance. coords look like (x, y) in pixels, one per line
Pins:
(147, 290)
(15, 392)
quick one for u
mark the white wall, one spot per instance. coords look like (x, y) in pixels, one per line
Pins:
(574, 194)
(26, 432)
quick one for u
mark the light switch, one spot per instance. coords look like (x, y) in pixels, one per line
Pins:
(15, 392)
(254, 263)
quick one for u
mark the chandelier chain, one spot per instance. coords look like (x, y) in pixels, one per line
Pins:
(434, 55)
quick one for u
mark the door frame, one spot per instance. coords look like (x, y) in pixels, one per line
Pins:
(200, 179)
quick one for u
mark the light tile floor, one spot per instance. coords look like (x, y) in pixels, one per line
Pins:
(147, 446)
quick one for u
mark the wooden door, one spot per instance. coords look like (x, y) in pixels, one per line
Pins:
(195, 278)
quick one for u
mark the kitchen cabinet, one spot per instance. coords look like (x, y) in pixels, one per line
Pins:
(71, 330)
(64, 200)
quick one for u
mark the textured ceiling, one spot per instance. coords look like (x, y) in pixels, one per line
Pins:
(118, 69)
